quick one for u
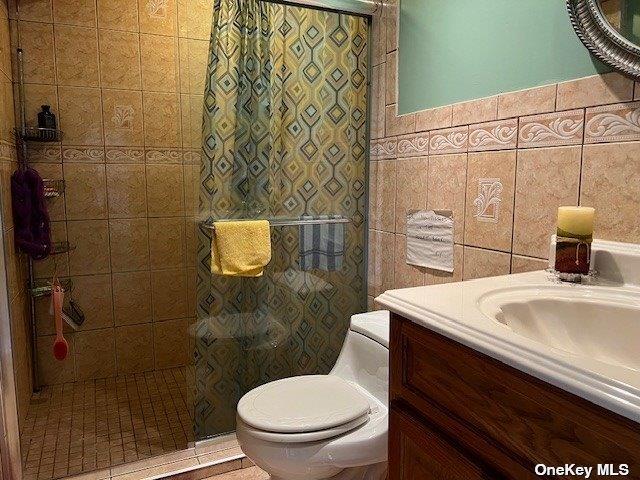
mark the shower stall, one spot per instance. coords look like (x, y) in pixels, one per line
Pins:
(200, 111)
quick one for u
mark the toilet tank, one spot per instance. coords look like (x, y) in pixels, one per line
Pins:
(364, 358)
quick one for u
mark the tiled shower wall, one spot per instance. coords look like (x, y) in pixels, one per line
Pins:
(503, 165)
(126, 80)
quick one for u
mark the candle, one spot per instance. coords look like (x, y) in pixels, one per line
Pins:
(576, 222)
(573, 242)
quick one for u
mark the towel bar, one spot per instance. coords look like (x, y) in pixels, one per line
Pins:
(290, 222)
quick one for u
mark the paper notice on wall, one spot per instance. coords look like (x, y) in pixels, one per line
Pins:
(430, 239)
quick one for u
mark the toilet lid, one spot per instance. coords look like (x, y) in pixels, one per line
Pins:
(303, 404)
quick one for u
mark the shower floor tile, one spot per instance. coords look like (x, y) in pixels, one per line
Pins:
(81, 427)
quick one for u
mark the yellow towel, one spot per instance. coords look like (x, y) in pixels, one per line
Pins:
(240, 248)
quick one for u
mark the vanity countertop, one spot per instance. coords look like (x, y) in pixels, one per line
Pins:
(592, 357)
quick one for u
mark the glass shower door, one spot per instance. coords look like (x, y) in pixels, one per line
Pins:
(284, 138)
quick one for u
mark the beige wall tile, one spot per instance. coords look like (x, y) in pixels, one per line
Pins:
(165, 190)
(383, 196)
(161, 119)
(382, 266)
(551, 129)
(377, 98)
(434, 118)
(194, 19)
(192, 110)
(475, 111)
(76, 56)
(167, 242)
(405, 275)
(499, 135)
(392, 22)
(95, 354)
(75, 12)
(379, 38)
(171, 343)
(53, 372)
(157, 17)
(450, 140)
(612, 123)
(527, 102)
(93, 294)
(611, 184)
(398, 125)
(120, 60)
(412, 175)
(194, 58)
(489, 203)
(36, 10)
(122, 117)
(159, 63)
(78, 116)
(129, 244)
(134, 348)
(126, 191)
(480, 263)
(91, 241)
(520, 264)
(132, 298)
(118, 15)
(39, 64)
(55, 205)
(86, 191)
(169, 290)
(595, 90)
(45, 268)
(546, 179)
(447, 188)
(436, 277)
(391, 71)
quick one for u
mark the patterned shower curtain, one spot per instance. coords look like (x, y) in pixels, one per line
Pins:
(284, 135)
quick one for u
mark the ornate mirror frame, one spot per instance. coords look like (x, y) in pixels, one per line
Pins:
(602, 40)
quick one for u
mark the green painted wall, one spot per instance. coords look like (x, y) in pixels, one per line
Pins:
(456, 50)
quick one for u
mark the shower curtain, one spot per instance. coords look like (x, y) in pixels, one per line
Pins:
(284, 135)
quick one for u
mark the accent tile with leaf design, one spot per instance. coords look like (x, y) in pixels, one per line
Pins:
(551, 129)
(450, 140)
(489, 202)
(613, 123)
(157, 16)
(122, 117)
(611, 184)
(499, 135)
(546, 179)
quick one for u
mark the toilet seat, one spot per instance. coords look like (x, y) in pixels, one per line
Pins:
(312, 407)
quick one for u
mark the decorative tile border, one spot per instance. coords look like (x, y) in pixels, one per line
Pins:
(552, 129)
(125, 155)
(613, 123)
(163, 155)
(384, 148)
(83, 154)
(45, 154)
(414, 145)
(500, 135)
(450, 140)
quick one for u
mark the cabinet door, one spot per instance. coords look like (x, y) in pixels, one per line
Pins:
(417, 452)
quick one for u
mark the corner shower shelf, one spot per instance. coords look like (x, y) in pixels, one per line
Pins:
(53, 188)
(37, 134)
(42, 288)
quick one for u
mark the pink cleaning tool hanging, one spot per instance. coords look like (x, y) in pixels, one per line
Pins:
(60, 345)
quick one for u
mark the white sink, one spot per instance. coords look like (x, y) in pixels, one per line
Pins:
(602, 324)
(583, 338)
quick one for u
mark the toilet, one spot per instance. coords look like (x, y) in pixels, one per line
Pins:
(325, 426)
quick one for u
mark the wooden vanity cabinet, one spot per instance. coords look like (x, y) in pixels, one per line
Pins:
(456, 413)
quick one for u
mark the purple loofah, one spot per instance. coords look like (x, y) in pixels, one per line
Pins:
(30, 216)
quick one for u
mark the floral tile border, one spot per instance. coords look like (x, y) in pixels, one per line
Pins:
(449, 140)
(613, 123)
(414, 145)
(498, 135)
(551, 129)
